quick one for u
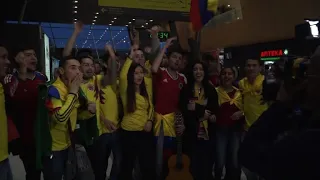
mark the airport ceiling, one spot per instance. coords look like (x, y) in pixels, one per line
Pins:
(88, 11)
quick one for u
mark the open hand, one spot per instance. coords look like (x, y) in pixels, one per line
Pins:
(74, 84)
(169, 42)
(108, 124)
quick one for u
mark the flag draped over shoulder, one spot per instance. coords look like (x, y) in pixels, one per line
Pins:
(201, 11)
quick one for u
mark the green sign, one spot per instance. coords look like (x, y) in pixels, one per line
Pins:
(163, 36)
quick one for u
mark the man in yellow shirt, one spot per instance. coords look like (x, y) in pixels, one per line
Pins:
(5, 171)
(251, 88)
(63, 106)
(253, 106)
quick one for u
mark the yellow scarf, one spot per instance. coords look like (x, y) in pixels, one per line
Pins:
(253, 89)
(199, 93)
(223, 97)
(168, 124)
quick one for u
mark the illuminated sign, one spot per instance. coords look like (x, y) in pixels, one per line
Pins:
(163, 36)
(273, 55)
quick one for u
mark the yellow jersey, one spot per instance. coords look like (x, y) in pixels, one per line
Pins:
(91, 91)
(63, 107)
(109, 105)
(252, 99)
(3, 127)
(142, 105)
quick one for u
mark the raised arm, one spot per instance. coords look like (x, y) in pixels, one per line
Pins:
(157, 62)
(77, 29)
(110, 77)
(155, 43)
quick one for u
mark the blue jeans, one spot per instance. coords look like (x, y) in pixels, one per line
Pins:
(228, 141)
(5, 170)
(99, 154)
(54, 165)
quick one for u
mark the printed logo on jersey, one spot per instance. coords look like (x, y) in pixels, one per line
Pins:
(165, 80)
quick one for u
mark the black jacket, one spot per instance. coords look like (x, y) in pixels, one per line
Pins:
(294, 156)
(191, 118)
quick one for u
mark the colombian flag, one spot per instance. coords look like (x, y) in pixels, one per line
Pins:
(201, 11)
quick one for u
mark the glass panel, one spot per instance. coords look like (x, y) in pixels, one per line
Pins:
(118, 28)
(60, 43)
(12, 22)
(48, 32)
(62, 25)
(100, 27)
(62, 32)
(45, 24)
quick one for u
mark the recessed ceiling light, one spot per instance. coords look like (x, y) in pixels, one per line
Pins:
(150, 20)
(75, 19)
(129, 22)
(238, 18)
(142, 26)
(133, 19)
(94, 20)
(97, 13)
(75, 7)
(112, 21)
(229, 5)
(75, 1)
(147, 23)
(126, 24)
(75, 11)
(110, 24)
(95, 16)
(92, 23)
(115, 18)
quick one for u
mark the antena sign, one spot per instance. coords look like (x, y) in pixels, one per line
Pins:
(273, 54)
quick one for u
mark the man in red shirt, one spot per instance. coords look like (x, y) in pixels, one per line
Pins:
(167, 86)
(22, 94)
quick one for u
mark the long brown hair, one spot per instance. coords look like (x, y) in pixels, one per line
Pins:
(131, 90)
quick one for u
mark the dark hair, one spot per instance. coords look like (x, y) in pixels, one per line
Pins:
(253, 59)
(131, 90)
(65, 59)
(171, 51)
(205, 82)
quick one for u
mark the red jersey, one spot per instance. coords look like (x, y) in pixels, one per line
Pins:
(22, 98)
(167, 91)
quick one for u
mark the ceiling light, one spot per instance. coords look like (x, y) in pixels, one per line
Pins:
(94, 20)
(112, 21)
(75, 19)
(95, 16)
(92, 23)
(133, 19)
(229, 5)
(142, 26)
(126, 24)
(97, 13)
(146, 23)
(75, 7)
(110, 24)
(75, 1)
(129, 22)
(115, 18)
(75, 11)
(150, 20)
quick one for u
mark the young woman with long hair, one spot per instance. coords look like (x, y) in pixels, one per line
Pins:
(136, 136)
(229, 126)
(199, 104)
